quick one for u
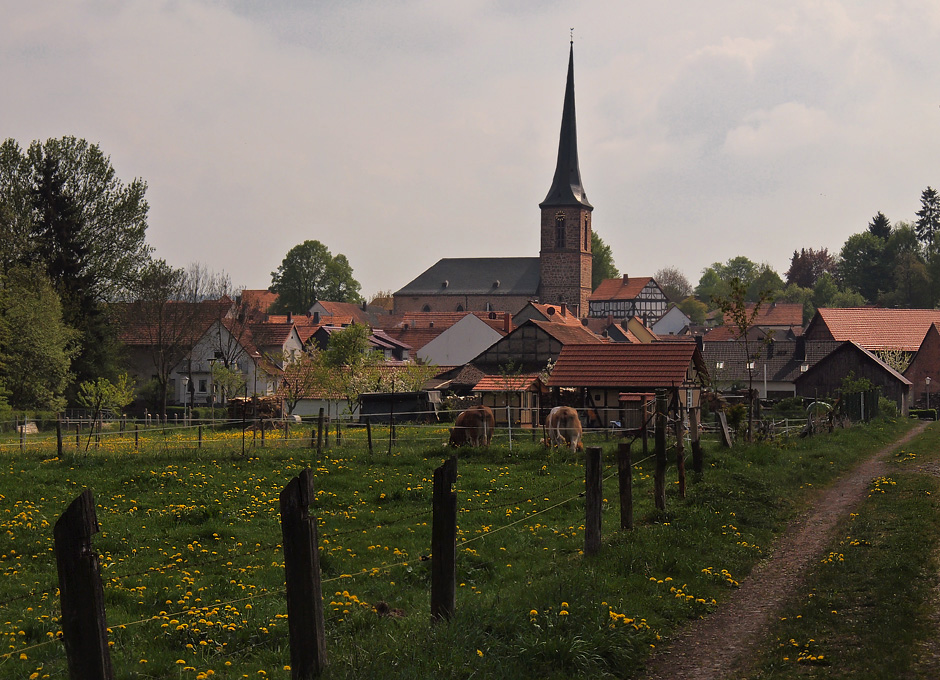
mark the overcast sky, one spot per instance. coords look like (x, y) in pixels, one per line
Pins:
(400, 132)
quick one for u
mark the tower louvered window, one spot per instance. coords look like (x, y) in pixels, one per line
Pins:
(560, 230)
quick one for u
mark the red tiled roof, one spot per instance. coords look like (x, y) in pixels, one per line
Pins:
(877, 328)
(623, 365)
(347, 309)
(556, 314)
(260, 300)
(620, 289)
(775, 314)
(268, 334)
(566, 334)
(503, 383)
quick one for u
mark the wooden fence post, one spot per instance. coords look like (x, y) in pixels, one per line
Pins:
(200, 436)
(22, 429)
(78, 436)
(320, 432)
(680, 447)
(136, 436)
(697, 461)
(369, 433)
(339, 432)
(84, 628)
(444, 541)
(261, 422)
(659, 478)
(593, 497)
(58, 436)
(625, 478)
(302, 570)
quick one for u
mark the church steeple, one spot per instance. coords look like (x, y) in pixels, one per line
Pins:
(566, 187)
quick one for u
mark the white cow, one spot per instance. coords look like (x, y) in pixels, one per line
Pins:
(563, 428)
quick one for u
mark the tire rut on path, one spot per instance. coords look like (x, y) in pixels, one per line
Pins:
(714, 647)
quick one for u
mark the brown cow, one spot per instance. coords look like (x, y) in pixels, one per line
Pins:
(474, 427)
(563, 428)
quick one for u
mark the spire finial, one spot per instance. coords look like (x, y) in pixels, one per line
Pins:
(572, 36)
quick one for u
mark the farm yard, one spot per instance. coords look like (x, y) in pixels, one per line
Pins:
(192, 562)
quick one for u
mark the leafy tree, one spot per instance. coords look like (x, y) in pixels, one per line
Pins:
(743, 317)
(36, 345)
(912, 285)
(766, 283)
(808, 265)
(673, 282)
(309, 272)
(101, 394)
(799, 295)
(63, 209)
(229, 380)
(880, 226)
(861, 265)
(711, 286)
(716, 280)
(928, 218)
(694, 309)
(603, 266)
(349, 347)
(305, 374)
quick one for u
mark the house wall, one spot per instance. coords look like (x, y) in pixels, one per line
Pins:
(926, 363)
(825, 378)
(671, 322)
(460, 343)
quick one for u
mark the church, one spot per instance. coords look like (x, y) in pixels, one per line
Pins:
(561, 274)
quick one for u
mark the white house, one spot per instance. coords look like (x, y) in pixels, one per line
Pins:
(673, 322)
(460, 343)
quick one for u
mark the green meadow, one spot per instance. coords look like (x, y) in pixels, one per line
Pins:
(193, 574)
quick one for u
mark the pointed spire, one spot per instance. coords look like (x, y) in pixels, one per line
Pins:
(566, 186)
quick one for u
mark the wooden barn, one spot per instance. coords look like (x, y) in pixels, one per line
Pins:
(824, 379)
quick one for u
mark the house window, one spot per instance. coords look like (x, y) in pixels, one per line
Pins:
(719, 364)
(587, 235)
(560, 230)
(804, 368)
(750, 365)
(203, 385)
(426, 308)
(459, 308)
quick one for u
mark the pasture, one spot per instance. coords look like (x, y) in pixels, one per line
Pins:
(193, 568)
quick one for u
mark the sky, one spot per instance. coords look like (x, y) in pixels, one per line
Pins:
(404, 131)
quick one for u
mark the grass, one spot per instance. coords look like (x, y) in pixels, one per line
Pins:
(193, 568)
(865, 610)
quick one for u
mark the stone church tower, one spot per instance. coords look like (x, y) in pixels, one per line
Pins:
(565, 257)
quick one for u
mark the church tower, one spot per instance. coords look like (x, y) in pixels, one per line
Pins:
(565, 257)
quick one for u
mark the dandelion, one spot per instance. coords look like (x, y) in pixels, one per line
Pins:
(480, 652)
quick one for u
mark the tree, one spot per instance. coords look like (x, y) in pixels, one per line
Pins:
(716, 280)
(880, 226)
(743, 318)
(861, 265)
(694, 309)
(309, 273)
(305, 375)
(928, 218)
(767, 284)
(603, 266)
(101, 394)
(673, 283)
(63, 209)
(36, 344)
(808, 265)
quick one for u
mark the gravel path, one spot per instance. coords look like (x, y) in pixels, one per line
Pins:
(718, 645)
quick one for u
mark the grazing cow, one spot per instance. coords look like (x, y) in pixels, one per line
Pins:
(563, 428)
(474, 427)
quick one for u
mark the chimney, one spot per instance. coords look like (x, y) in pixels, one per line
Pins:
(564, 309)
(290, 318)
(626, 278)
(507, 322)
(365, 305)
(700, 342)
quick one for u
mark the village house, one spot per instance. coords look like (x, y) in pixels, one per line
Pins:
(625, 298)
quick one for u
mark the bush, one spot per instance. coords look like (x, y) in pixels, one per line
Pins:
(887, 408)
(923, 413)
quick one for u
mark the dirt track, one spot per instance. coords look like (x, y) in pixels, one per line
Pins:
(715, 647)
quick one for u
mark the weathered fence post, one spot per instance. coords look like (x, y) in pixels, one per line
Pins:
(22, 429)
(78, 436)
(326, 432)
(58, 436)
(593, 497)
(339, 432)
(369, 433)
(444, 541)
(320, 432)
(625, 478)
(680, 447)
(659, 478)
(84, 628)
(200, 436)
(697, 461)
(261, 422)
(136, 436)
(302, 570)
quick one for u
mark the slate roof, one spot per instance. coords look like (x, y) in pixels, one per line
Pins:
(518, 276)
(444, 320)
(874, 328)
(415, 337)
(784, 363)
(620, 289)
(620, 365)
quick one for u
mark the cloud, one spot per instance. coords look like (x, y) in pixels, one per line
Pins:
(783, 129)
